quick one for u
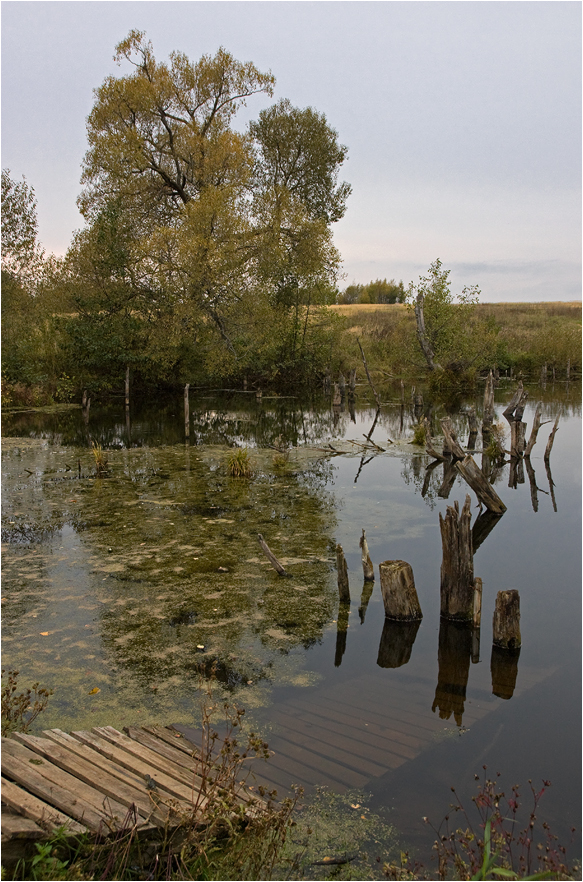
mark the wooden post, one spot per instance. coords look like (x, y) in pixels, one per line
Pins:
(517, 438)
(342, 568)
(127, 386)
(366, 561)
(398, 590)
(352, 380)
(469, 470)
(271, 557)
(543, 374)
(506, 623)
(186, 412)
(457, 568)
(396, 643)
(258, 395)
(337, 398)
(551, 440)
(342, 385)
(402, 392)
(568, 369)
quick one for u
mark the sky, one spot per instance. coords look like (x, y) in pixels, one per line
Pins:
(462, 120)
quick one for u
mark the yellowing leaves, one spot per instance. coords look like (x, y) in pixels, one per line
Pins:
(94, 691)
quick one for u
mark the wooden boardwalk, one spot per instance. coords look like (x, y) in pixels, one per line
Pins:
(341, 736)
(101, 781)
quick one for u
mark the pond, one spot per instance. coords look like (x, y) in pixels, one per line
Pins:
(126, 593)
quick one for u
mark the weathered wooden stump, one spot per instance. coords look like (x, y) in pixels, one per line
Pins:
(468, 469)
(450, 439)
(399, 592)
(534, 431)
(342, 568)
(352, 380)
(504, 671)
(551, 440)
(367, 566)
(488, 413)
(396, 643)
(453, 656)
(506, 624)
(458, 585)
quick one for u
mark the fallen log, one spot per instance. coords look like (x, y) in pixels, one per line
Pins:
(469, 470)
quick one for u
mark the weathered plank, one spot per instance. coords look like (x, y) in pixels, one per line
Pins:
(47, 817)
(99, 779)
(64, 798)
(19, 827)
(140, 766)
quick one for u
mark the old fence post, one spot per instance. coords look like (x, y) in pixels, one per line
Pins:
(399, 592)
(186, 411)
(367, 566)
(488, 413)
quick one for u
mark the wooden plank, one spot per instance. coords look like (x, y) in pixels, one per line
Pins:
(99, 779)
(188, 763)
(112, 811)
(19, 827)
(174, 737)
(62, 798)
(46, 816)
(144, 768)
(92, 756)
(156, 760)
(336, 747)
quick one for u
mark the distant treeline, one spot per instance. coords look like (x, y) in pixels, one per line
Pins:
(379, 291)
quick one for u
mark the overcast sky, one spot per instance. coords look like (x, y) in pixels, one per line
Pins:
(462, 120)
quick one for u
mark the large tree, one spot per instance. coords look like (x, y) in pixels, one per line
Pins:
(220, 215)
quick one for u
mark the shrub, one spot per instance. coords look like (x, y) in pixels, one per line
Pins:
(239, 464)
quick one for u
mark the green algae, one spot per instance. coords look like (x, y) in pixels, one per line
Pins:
(142, 583)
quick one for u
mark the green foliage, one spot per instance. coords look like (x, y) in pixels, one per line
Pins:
(21, 255)
(20, 709)
(495, 449)
(419, 435)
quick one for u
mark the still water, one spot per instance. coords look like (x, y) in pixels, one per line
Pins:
(122, 592)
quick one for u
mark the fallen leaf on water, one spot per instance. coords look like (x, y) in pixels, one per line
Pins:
(44, 633)
(94, 691)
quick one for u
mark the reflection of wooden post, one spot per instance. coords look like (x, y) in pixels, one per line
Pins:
(186, 412)
(396, 643)
(366, 595)
(506, 624)
(366, 561)
(484, 491)
(342, 386)
(341, 629)
(342, 567)
(504, 671)
(455, 648)
(398, 590)
(457, 568)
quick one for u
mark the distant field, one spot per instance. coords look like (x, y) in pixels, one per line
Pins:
(567, 308)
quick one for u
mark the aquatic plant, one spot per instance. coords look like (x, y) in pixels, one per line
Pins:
(100, 458)
(239, 464)
(495, 448)
(419, 435)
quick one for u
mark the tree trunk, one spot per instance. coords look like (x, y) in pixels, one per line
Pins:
(422, 335)
(398, 590)
(457, 568)
(127, 386)
(534, 432)
(551, 440)
(451, 440)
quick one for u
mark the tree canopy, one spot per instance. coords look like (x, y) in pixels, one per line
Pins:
(218, 216)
